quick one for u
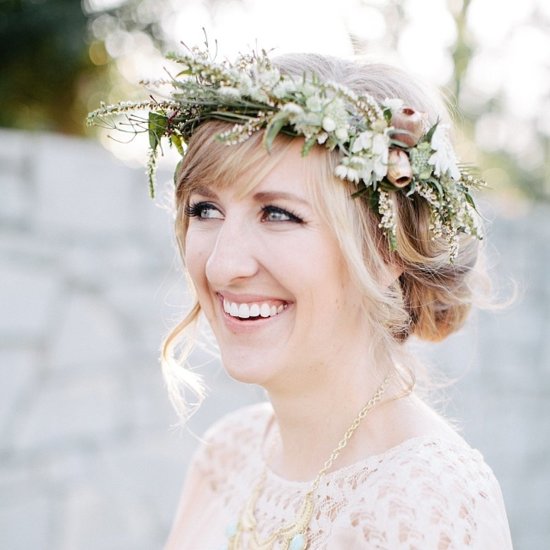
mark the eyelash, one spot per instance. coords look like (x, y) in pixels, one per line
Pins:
(195, 210)
(271, 209)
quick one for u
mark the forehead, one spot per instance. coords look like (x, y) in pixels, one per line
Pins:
(251, 170)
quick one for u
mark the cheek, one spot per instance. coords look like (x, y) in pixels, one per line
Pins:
(195, 260)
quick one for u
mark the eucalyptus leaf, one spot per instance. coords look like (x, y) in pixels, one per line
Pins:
(273, 128)
(308, 145)
(158, 124)
(431, 132)
(437, 185)
(412, 188)
(470, 201)
(177, 142)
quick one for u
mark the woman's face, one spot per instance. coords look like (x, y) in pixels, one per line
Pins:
(271, 278)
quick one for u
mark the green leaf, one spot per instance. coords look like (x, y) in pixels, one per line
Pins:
(437, 185)
(392, 241)
(273, 128)
(158, 124)
(431, 132)
(470, 201)
(412, 188)
(308, 145)
(177, 143)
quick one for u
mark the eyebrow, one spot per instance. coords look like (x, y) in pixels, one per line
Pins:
(204, 191)
(263, 196)
(260, 196)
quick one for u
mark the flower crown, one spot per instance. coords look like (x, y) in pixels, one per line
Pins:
(384, 148)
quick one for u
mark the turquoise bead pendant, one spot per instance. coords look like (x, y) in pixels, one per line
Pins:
(298, 542)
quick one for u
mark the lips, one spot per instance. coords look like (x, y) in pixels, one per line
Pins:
(257, 309)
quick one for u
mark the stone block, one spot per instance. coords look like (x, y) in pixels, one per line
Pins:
(148, 399)
(17, 373)
(86, 332)
(71, 411)
(98, 516)
(61, 468)
(81, 189)
(27, 296)
(27, 523)
(16, 479)
(15, 197)
(151, 467)
(96, 266)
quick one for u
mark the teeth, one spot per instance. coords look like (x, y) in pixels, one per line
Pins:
(245, 311)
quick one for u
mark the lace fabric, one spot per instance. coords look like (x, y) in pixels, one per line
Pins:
(426, 493)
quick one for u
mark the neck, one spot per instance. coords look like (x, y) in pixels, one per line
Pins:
(309, 423)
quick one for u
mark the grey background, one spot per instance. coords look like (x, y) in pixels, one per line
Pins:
(89, 285)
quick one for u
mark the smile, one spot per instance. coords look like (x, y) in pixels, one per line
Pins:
(256, 310)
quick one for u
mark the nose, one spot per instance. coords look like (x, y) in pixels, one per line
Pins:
(232, 257)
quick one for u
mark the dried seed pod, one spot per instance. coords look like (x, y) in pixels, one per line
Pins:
(411, 122)
(399, 168)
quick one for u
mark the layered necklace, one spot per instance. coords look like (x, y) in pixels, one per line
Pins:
(292, 536)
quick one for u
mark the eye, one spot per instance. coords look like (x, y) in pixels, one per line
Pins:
(203, 211)
(275, 214)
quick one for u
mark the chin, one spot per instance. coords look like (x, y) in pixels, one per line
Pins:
(250, 370)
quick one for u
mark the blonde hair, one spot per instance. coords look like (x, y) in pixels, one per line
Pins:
(430, 298)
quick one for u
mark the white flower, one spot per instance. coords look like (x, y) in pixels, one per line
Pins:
(362, 142)
(257, 94)
(375, 148)
(380, 150)
(293, 109)
(349, 169)
(314, 104)
(367, 170)
(336, 110)
(393, 104)
(380, 144)
(268, 78)
(284, 88)
(307, 88)
(245, 82)
(342, 134)
(341, 171)
(229, 92)
(346, 173)
(328, 124)
(443, 158)
(321, 138)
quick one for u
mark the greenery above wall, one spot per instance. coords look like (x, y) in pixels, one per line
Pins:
(59, 58)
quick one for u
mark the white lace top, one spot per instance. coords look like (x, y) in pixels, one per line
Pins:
(426, 493)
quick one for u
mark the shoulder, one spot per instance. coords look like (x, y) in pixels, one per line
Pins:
(225, 449)
(230, 440)
(242, 424)
(431, 493)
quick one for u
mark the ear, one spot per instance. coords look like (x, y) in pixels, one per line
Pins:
(391, 274)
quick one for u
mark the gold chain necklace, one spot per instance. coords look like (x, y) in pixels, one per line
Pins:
(293, 535)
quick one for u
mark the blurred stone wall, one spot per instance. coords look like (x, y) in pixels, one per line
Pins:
(90, 283)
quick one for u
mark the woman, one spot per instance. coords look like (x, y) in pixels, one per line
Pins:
(320, 233)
